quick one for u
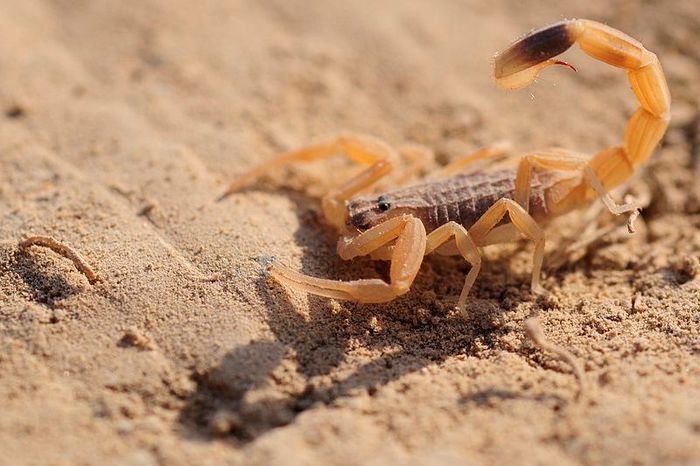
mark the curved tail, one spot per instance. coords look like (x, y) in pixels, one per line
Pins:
(517, 66)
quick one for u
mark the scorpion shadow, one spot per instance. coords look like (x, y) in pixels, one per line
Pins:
(413, 332)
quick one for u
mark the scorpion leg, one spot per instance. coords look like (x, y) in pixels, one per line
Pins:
(420, 158)
(501, 234)
(523, 222)
(459, 164)
(333, 202)
(361, 149)
(467, 249)
(548, 160)
(407, 257)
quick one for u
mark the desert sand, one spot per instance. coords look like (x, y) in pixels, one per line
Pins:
(121, 124)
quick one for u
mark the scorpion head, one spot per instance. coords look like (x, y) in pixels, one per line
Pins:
(367, 211)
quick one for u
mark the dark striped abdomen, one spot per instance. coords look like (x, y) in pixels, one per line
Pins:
(464, 198)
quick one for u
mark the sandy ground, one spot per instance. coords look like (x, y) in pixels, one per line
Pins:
(123, 121)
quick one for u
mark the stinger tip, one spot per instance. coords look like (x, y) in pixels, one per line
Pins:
(566, 64)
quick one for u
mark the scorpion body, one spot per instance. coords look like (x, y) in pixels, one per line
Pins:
(461, 212)
(462, 199)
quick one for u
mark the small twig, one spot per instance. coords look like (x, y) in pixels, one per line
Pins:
(635, 213)
(534, 331)
(631, 219)
(65, 251)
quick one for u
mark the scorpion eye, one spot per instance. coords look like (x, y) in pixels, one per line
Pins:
(383, 204)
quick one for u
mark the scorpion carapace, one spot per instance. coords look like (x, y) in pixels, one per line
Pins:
(461, 212)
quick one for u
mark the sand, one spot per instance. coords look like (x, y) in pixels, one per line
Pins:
(121, 124)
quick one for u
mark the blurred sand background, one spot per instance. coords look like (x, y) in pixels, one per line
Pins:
(123, 121)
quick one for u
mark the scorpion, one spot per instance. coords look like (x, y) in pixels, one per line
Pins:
(461, 211)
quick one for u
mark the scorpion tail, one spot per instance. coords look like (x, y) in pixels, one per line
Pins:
(518, 66)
